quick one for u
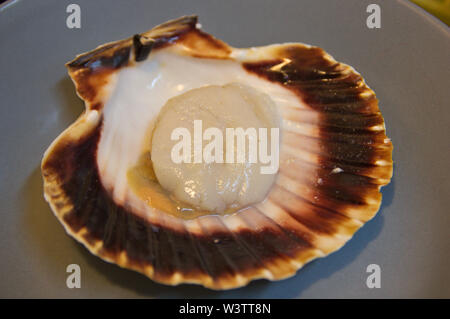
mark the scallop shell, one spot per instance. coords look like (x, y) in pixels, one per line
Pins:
(335, 157)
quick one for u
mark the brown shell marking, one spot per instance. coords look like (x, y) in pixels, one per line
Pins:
(305, 216)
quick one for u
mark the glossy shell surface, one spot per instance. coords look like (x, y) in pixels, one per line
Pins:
(335, 157)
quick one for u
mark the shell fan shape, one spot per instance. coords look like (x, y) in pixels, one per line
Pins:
(334, 158)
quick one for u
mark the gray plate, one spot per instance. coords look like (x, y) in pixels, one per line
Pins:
(406, 62)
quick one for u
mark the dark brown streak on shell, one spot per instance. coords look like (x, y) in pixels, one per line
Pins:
(141, 50)
(113, 55)
(346, 139)
(116, 54)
